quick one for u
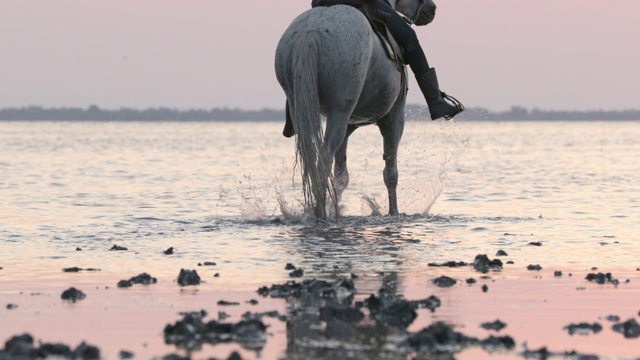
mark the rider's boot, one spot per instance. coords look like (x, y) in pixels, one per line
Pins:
(440, 104)
(288, 125)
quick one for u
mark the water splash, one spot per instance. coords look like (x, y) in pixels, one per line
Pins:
(433, 189)
(370, 203)
(252, 209)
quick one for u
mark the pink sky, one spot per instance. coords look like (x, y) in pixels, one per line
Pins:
(552, 54)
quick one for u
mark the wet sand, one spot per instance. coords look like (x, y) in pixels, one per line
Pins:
(534, 305)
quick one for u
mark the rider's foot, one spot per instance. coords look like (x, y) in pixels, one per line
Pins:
(440, 104)
(445, 109)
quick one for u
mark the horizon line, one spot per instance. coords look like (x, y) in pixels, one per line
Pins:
(240, 109)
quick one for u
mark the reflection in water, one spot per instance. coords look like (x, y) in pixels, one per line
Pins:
(324, 322)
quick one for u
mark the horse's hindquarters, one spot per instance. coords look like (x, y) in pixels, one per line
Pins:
(356, 79)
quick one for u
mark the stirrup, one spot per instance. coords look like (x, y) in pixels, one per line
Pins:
(457, 104)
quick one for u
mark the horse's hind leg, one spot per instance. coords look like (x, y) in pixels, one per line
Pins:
(391, 128)
(334, 136)
(340, 172)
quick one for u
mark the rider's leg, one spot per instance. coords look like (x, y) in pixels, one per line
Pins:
(426, 76)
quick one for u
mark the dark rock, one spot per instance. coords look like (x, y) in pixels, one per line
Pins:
(541, 353)
(444, 281)
(188, 277)
(198, 314)
(118, 248)
(578, 356)
(496, 325)
(498, 343)
(485, 288)
(296, 273)
(228, 303)
(373, 303)
(510, 262)
(583, 328)
(191, 333)
(234, 356)
(207, 263)
(216, 275)
(72, 294)
(77, 269)
(439, 337)
(399, 313)
(290, 266)
(124, 284)
(258, 316)
(332, 313)
(534, 267)
(353, 276)
(482, 263)
(143, 279)
(544, 354)
(175, 357)
(169, 251)
(20, 346)
(450, 264)
(54, 350)
(252, 302)
(630, 329)
(535, 243)
(78, 249)
(502, 253)
(86, 352)
(557, 273)
(613, 318)
(601, 278)
(431, 303)
(340, 290)
(11, 306)
(471, 281)
(124, 354)
(222, 315)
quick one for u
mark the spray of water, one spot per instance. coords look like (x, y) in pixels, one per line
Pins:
(273, 189)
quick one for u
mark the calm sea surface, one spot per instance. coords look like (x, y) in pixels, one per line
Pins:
(217, 191)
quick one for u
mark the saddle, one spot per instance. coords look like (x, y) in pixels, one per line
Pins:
(378, 21)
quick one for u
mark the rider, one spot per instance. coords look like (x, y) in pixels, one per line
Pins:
(407, 39)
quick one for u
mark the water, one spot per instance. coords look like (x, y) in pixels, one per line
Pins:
(211, 191)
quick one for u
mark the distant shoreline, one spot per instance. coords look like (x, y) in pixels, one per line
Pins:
(412, 112)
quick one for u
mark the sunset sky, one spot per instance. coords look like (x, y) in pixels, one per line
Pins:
(551, 54)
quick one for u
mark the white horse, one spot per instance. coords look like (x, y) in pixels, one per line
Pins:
(330, 62)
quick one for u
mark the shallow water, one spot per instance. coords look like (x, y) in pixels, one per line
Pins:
(211, 190)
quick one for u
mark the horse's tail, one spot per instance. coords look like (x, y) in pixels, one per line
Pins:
(310, 149)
